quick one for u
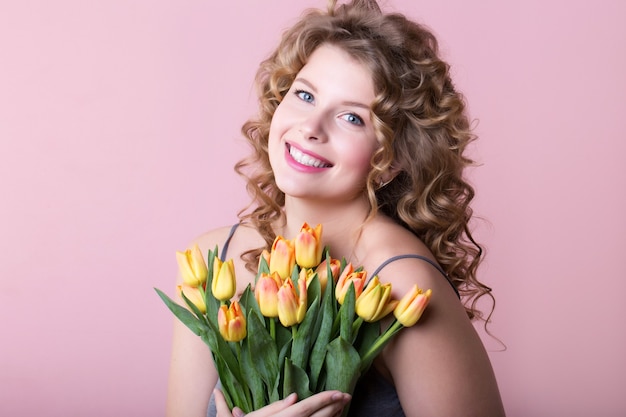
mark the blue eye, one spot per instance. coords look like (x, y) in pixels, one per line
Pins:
(305, 96)
(354, 119)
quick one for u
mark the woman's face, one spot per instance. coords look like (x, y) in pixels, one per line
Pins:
(321, 137)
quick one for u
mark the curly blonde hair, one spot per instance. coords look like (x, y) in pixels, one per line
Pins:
(419, 119)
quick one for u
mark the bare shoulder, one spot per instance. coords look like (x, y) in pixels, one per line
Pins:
(239, 233)
(212, 238)
(387, 245)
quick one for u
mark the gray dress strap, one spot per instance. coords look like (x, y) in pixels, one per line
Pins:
(227, 242)
(423, 258)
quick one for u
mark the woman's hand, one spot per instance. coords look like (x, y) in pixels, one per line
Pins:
(323, 404)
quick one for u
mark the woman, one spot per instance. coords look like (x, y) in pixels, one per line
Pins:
(360, 129)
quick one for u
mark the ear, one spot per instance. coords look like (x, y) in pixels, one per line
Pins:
(388, 176)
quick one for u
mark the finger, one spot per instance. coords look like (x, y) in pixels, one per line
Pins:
(274, 408)
(220, 404)
(324, 404)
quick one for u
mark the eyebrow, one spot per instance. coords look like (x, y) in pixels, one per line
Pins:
(346, 103)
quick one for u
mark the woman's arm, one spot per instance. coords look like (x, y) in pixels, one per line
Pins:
(192, 375)
(439, 366)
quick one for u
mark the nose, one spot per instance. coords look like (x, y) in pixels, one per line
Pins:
(313, 127)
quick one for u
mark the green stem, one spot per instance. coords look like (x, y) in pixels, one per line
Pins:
(379, 344)
(356, 325)
(273, 328)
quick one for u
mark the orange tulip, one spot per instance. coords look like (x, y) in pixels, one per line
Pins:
(224, 283)
(411, 306)
(292, 306)
(375, 301)
(308, 246)
(192, 267)
(194, 295)
(282, 257)
(322, 271)
(349, 275)
(231, 322)
(266, 293)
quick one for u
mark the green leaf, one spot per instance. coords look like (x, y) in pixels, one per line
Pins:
(295, 274)
(232, 388)
(314, 289)
(316, 295)
(368, 334)
(184, 315)
(275, 391)
(222, 350)
(225, 375)
(264, 268)
(343, 264)
(252, 377)
(212, 303)
(303, 338)
(285, 349)
(264, 347)
(283, 340)
(325, 332)
(296, 380)
(193, 308)
(248, 302)
(346, 314)
(342, 366)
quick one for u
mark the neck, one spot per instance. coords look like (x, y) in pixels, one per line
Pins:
(342, 222)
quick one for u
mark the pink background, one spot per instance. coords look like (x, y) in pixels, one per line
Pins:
(119, 125)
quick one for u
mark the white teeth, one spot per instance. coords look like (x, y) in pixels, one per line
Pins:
(306, 159)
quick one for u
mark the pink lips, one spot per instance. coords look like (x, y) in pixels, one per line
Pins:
(304, 168)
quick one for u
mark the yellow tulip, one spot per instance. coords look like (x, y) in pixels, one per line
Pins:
(308, 246)
(231, 322)
(192, 267)
(266, 293)
(322, 271)
(282, 257)
(349, 275)
(411, 306)
(194, 295)
(224, 283)
(292, 306)
(375, 301)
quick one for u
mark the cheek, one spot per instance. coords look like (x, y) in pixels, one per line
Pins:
(275, 126)
(360, 157)
(281, 114)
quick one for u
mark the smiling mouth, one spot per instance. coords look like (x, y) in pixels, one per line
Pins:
(307, 160)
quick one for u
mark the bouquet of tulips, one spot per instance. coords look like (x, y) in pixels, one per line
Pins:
(309, 325)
